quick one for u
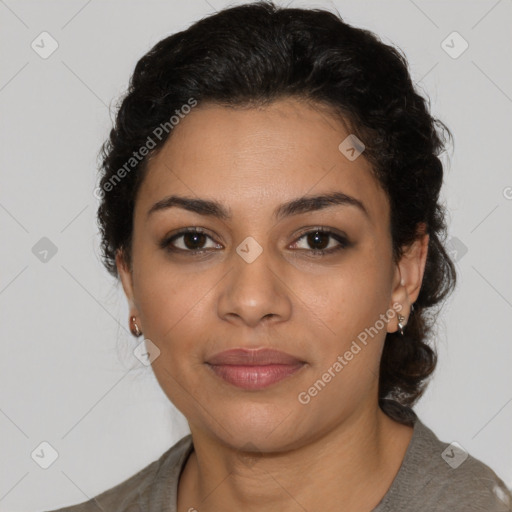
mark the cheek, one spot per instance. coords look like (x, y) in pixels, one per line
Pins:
(345, 313)
(172, 312)
(351, 296)
(162, 300)
(177, 313)
(349, 341)
(352, 343)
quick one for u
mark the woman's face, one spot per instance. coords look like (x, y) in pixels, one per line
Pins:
(259, 282)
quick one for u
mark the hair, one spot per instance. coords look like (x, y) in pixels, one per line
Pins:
(254, 54)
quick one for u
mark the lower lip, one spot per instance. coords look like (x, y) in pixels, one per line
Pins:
(255, 377)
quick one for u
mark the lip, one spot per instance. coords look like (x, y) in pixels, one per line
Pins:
(253, 357)
(254, 369)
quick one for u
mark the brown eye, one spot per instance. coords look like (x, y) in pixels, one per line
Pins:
(194, 241)
(321, 241)
(318, 240)
(191, 240)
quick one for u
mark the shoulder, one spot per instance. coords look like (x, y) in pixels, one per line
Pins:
(437, 475)
(147, 490)
(460, 480)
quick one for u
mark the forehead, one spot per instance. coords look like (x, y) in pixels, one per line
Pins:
(257, 158)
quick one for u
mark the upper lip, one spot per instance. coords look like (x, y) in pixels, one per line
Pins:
(253, 357)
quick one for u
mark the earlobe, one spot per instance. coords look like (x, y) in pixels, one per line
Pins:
(412, 267)
(125, 274)
(409, 277)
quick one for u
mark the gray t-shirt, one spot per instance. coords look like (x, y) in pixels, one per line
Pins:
(434, 476)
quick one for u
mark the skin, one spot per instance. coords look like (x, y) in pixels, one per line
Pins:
(264, 450)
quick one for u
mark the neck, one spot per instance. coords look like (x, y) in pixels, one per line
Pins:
(353, 464)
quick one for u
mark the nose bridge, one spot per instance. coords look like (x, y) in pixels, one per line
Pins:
(254, 290)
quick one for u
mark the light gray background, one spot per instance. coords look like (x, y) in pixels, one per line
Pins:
(66, 348)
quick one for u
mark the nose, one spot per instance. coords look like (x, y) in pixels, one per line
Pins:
(255, 292)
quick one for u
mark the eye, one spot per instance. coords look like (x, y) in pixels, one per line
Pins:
(318, 239)
(193, 240)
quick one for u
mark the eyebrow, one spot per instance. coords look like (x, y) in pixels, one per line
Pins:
(297, 206)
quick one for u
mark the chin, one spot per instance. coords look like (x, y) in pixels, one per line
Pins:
(258, 427)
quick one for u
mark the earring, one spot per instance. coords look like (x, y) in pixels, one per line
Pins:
(135, 328)
(401, 325)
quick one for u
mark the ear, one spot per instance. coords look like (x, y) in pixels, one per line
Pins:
(409, 276)
(126, 277)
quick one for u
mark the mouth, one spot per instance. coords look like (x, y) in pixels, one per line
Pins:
(254, 369)
(254, 377)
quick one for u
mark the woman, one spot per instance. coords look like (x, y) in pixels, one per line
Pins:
(270, 203)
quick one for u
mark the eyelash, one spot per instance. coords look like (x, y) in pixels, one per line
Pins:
(343, 241)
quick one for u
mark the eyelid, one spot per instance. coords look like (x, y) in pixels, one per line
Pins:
(340, 237)
(166, 241)
(323, 229)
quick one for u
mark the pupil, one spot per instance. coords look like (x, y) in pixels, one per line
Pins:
(313, 239)
(195, 236)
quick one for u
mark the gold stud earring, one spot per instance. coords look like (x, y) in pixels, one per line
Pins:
(134, 327)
